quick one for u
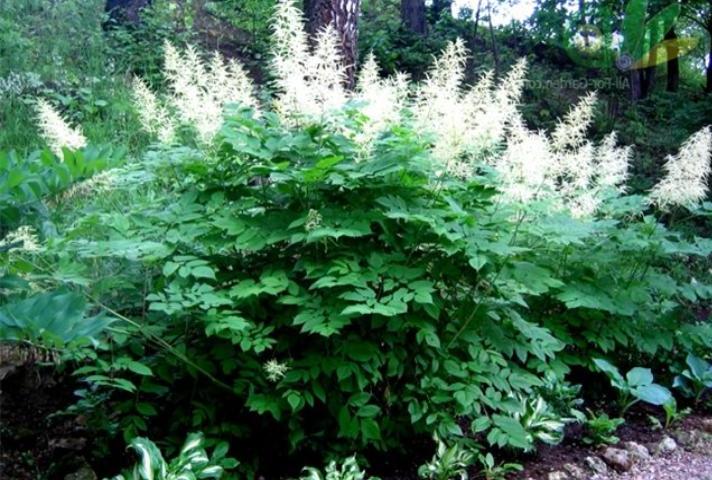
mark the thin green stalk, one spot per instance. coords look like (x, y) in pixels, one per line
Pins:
(162, 343)
(477, 307)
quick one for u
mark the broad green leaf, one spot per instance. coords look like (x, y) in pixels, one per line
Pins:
(639, 377)
(653, 394)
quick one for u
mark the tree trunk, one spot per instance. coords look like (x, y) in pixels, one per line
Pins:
(708, 87)
(636, 85)
(413, 16)
(495, 55)
(648, 77)
(649, 72)
(673, 64)
(477, 19)
(343, 16)
(122, 12)
(439, 7)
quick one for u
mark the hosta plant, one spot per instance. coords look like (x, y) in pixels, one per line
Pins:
(57, 319)
(346, 470)
(496, 471)
(563, 398)
(540, 421)
(696, 379)
(193, 461)
(636, 386)
(673, 414)
(449, 462)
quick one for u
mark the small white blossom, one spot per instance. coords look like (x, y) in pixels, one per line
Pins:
(99, 183)
(18, 83)
(313, 220)
(275, 370)
(24, 239)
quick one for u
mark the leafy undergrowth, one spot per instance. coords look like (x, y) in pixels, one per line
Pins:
(384, 272)
(37, 442)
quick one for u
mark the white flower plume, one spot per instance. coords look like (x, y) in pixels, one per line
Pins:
(200, 91)
(24, 239)
(154, 117)
(613, 163)
(464, 123)
(56, 131)
(571, 132)
(525, 167)
(382, 102)
(310, 84)
(685, 182)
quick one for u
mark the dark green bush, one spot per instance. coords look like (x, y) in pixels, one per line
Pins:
(297, 287)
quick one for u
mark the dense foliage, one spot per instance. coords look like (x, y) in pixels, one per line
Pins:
(321, 272)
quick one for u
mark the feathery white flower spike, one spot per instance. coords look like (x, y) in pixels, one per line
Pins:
(153, 116)
(571, 132)
(440, 111)
(509, 91)
(327, 70)
(525, 167)
(310, 84)
(382, 102)
(290, 62)
(685, 182)
(24, 239)
(202, 91)
(56, 131)
(613, 164)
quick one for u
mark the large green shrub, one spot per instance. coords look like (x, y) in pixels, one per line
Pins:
(356, 302)
(361, 270)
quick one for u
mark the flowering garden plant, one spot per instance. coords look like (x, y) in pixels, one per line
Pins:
(352, 269)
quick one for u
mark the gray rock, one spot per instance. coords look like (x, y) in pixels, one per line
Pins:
(667, 445)
(637, 451)
(596, 465)
(707, 425)
(84, 473)
(557, 476)
(686, 439)
(618, 459)
(575, 472)
(695, 441)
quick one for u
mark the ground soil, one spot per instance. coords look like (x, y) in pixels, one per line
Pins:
(682, 465)
(34, 442)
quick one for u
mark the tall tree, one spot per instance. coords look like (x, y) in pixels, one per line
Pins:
(700, 12)
(124, 11)
(343, 16)
(413, 16)
(673, 64)
(439, 7)
(708, 89)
